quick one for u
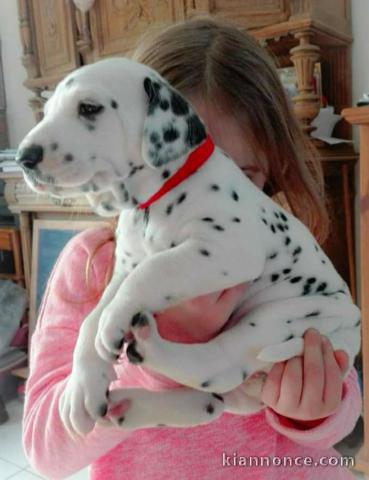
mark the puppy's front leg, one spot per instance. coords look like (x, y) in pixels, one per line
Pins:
(191, 269)
(84, 398)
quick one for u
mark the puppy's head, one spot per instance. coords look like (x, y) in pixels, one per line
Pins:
(101, 120)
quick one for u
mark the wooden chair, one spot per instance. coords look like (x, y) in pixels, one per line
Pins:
(10, 241)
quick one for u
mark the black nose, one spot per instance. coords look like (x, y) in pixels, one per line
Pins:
(29, 157)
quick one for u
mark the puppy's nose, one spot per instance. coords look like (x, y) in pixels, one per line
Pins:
(29, 157)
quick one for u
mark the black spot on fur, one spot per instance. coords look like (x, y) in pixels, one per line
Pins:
(207, 219)
(274, 277)
(90, 127)
(263, 219)
(252, 324)
(154, 137)
(164, 104)
(165, 174)
(313, 314)
(276, 214)
(236, 220)
(152, 90)
(195, 131)
(307, 290)
(173, 244)
(323, 261)
(121, 420)
(170, 134)
(178, 104)
(214, 187)
(235, 196)
(205, 384)
(280, 227)
(286, 271)
(297, 251)
(219, 228)
(209, 408)
(273, 255)
(54, 146)
(139, 320)
(181, 198)
(272, 227)
(321, 287)
(114, 104)
(263, 209)
(219, 397)
(146, 215)
(311, 280)
(169, 209)
(244, 375)
(287, 241)
(132, 354)
(204, 252)
(290, 337)
(295, 279)
(283, 217)
(68, 157)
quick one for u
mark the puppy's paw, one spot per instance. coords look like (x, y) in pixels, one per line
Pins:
(85, 398)
(147, 347)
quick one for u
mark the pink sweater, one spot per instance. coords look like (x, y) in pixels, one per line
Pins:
(207, 452)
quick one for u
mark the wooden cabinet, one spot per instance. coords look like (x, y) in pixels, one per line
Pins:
(57, 37)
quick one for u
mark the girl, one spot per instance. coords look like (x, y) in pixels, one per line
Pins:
(235, 88)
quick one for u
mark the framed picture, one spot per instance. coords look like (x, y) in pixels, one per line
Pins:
(288, 78)
(49, 239)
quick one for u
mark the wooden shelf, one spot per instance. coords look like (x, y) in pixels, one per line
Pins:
(360, 116)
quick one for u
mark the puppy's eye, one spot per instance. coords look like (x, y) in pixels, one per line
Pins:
(89, 109)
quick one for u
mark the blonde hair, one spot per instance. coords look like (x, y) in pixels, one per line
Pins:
(228, 68)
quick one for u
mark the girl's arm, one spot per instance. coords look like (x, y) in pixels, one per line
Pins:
(329, 430)
(66, 303)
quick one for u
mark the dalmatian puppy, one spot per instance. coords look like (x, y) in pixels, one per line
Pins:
(116, 132)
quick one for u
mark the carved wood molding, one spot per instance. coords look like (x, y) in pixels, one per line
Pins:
(304, 57)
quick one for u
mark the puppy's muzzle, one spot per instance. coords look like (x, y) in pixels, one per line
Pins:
(29, 157)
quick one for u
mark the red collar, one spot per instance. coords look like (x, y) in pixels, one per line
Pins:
(193, 162)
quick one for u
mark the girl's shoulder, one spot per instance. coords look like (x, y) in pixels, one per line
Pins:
(81, 268)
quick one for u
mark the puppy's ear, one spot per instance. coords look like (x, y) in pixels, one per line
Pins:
(172, 128)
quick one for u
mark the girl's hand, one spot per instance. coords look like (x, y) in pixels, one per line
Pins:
(308, 388)
(199, 319)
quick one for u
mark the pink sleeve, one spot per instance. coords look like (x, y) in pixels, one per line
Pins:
(331, 430)
(66, 303)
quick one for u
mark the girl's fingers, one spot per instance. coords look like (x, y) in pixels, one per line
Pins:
(333, 378)
(342, 360)
(228, 298)
(291, 385)
(271, 389)
(313, 369)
